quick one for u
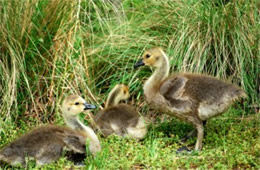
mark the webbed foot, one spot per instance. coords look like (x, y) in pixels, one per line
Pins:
(191, 134)
(183, 149)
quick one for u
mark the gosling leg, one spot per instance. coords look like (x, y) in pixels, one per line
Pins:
(191, 134)
(200, 134)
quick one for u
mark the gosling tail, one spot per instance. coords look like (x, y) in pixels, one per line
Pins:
(238, 93)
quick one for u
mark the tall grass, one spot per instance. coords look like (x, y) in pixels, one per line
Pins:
(52, 48)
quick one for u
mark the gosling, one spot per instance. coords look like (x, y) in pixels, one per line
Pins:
(71, 107)
(120, 119)
(46, 143)
(193, 98)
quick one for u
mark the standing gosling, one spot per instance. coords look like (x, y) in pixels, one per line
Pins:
(46, 144)
(120, 119)
(190, 97)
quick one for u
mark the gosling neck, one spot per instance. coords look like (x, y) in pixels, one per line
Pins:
(160, 74)
(113, 97)
(74, 123)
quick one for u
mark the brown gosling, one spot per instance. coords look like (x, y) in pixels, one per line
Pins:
(71, 108)
(46, 143)
(120, 119)
(193, 98)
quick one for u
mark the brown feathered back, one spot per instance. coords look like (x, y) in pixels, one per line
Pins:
(45, 142)
(199, 88)
(121, 115)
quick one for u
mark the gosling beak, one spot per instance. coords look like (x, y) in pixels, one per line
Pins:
(139, 63)
(89, 106)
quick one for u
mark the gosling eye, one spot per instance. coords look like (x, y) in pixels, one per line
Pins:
(124, 92)
(77, 103)
(157, 58)
(147, 56)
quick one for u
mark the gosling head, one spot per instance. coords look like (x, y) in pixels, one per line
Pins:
(123, 91)
(74, 104)
(118, 93)
(154, 57)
